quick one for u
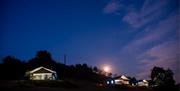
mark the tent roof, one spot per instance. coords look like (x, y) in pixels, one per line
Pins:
(42, 70)
(122, 77)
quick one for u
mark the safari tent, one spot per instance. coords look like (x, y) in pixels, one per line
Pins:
(42, 73)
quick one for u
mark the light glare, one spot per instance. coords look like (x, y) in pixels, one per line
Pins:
(106, 69)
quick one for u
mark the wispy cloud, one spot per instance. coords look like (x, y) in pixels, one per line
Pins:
(112, 7)
(152, 35)
(149, 12)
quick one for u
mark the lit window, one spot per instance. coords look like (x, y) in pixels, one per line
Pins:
(107, 82)
(112, 82)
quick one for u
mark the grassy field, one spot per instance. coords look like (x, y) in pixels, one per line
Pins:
(22, 85)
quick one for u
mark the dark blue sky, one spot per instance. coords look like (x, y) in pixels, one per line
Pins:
(131, 36)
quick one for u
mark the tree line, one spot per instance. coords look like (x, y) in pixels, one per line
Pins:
(12, 68)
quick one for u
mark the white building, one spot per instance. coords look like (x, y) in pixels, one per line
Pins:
(42, 73)
(122, 80)
(143, 83)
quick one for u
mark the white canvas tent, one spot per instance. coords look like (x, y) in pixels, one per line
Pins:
(143, 83)
(122, 80)
(42, 73)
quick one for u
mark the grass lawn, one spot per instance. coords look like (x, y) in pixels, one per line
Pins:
(23, 85)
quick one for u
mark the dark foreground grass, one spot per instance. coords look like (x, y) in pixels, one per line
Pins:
(59, 85)
(37, 83)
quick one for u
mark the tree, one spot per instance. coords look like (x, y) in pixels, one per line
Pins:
(42, 58)
(43, 55)
(161, 77)
(12, 68)
(133, 81)
(169, 77)
(95, 69)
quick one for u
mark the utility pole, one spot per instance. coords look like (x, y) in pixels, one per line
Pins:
(65, 59)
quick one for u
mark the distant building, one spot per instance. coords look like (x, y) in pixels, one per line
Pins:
(42, 73)
(122, 80)
(143, 83)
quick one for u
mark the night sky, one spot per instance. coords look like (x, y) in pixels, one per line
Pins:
(131, 36)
